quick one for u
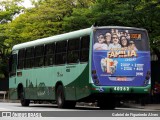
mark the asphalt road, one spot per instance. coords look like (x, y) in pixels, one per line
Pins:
(50, 110)
(5, 106)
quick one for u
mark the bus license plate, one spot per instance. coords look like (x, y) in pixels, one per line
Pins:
(126, 89)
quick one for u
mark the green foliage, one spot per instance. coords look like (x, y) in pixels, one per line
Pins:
(42, 21)
(8, 9)
(81, 18)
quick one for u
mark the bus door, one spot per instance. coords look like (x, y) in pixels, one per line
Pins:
(12, 73)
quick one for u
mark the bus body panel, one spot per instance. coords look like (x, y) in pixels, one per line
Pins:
(39, 83)
(78, 79)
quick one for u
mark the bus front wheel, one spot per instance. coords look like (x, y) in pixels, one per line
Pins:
(24, 102)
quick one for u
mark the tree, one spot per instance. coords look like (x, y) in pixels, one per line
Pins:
(81, 16)
(44, 20)
(9, 9)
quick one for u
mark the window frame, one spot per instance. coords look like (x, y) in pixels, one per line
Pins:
(13, 65)
(39, 56)
(59, 53)
(74, 50)
(82, 49)
(21, 59)
(49, 55)
(29, 59)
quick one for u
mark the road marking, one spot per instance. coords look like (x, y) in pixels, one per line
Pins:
(135, 109)
(4, 109)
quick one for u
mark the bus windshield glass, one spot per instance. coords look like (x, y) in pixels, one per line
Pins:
(121, 57)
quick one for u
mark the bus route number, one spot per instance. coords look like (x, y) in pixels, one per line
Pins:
(121, 88)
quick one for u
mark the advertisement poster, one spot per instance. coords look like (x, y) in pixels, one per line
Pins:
(121, 57)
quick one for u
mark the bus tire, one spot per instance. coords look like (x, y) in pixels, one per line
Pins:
(60, 97)
(71, 104)
(24, 102)
(107, 104)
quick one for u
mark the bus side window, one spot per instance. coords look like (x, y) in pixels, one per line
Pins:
(49, 54)
(13, 65)
(39, 56)
(73, 51)
(85, 48)
(21, 57)
(61, 52)
(29, 58)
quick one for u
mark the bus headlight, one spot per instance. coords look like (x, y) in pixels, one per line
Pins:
(95, 77)
(147, 78)
(96, 81)
(94, 72)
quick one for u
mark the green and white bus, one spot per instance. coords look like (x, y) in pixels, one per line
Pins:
(98, 64)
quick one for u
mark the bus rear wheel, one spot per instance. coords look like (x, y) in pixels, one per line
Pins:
(24, 102)
(107, 104)
(60, 97)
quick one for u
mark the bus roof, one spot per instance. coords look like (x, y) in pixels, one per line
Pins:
(120, 27)
(66, 36)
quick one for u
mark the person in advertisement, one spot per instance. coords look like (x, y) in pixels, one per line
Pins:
(115, 40)
(124, 42)
(132, 46)
(100, 45)
(108, 39)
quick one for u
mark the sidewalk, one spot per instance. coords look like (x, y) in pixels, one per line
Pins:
(147, 106)
(126, 105)
(9, 101)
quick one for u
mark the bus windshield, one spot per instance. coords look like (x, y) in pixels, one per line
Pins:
(121, 56)
(105, 39)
